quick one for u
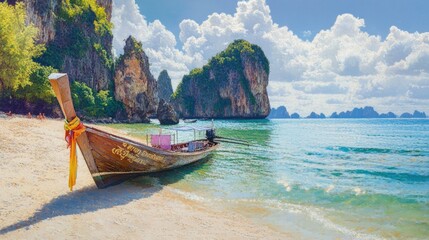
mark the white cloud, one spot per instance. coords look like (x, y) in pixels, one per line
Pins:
(158, 43)
(189, 28)
(344, 65)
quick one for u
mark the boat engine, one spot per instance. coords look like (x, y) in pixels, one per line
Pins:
(211, 134)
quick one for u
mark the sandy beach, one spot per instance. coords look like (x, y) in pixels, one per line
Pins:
(35, 202)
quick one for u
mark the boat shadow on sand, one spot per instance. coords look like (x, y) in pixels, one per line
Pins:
(91, 199)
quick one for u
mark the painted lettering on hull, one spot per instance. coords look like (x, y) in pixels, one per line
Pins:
(133, 154)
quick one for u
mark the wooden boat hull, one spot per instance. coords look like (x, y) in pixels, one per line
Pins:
(115, 159)
(112, 159)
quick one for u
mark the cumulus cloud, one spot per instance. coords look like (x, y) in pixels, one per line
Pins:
(319, 88)
(158, 42)
(342, 66)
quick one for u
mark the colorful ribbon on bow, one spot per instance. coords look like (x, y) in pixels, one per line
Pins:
(73, 129)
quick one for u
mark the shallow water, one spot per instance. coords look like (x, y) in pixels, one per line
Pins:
(331, 178)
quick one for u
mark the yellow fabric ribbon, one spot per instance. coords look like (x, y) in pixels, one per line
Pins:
(73, 129)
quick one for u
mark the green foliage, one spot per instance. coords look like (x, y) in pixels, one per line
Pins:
(220, 105)
(107, 60)
(88, 10)
(137, 45)
(107, 104)
(74, 44)
(233, 53)
(79, 44)
(196, 71)
(39, 88)
(53, 56)
(17, 47)
(246, 88)
(260, 56)
(81, 25)
(82, 95)
(135, 48)
(189, 102)
(101, 104)
(176, 94)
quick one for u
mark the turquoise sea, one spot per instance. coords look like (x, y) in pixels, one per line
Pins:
(319, 179)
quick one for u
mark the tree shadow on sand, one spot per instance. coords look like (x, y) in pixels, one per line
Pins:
(91, 199)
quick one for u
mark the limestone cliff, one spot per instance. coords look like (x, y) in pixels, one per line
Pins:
(78, 38)
(41, 13)
(232, 85)
(135, 86)
(164, 86)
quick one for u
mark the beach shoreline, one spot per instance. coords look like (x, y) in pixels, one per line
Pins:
(35, 201)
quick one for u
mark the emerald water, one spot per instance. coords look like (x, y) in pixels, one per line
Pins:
(331, 178)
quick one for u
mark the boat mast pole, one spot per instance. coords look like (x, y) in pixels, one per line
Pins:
(60, 85)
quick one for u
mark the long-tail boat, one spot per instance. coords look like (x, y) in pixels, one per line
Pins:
(112, 159)
(189, 120)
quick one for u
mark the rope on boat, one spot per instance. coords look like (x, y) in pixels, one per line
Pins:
(73, 129)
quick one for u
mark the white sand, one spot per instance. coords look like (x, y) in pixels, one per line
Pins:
(35, 202)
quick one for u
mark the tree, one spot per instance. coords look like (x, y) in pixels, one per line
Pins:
(39, 88)
(82, 95)
(17, 47)
(88, 103)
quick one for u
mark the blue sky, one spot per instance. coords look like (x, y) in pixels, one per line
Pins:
(300, 15)
(325, 55)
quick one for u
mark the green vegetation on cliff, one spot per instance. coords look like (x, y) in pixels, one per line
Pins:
(214, 75)
(87, 10)
(104, 55)
(135, 47)
(232, 55)
(81, 25)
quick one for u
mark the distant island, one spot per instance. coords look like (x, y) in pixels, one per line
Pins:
(365, 112)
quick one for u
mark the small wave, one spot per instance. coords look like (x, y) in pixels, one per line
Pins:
(358, 191)
(336, 173)
(415, 153)
(313, 213)
(314, 154)
(287, 186)
(403, 177)
(316, 214)
(329, 188)
(188, 195)
(329, 155)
